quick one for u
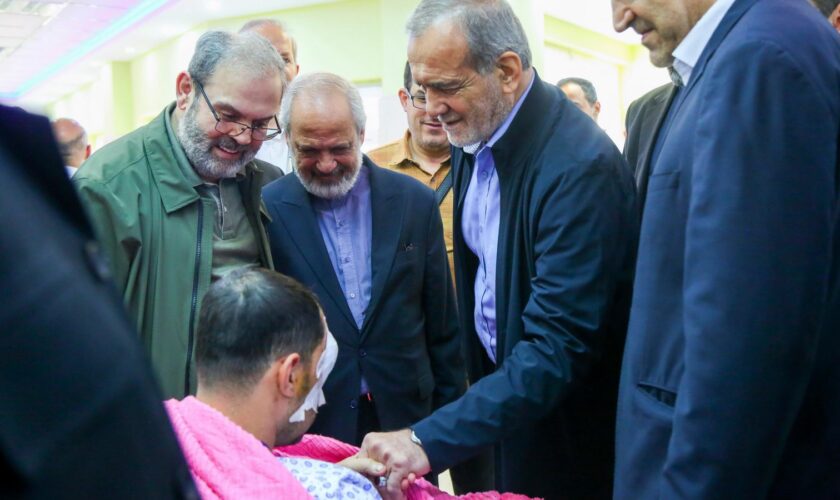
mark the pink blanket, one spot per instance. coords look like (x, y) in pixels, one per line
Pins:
(227, 462)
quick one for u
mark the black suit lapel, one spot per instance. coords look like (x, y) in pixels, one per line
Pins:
(646, 149)
(302, 227)
(387, 210)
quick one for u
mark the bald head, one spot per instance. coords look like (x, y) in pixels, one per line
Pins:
(72, 141)
(283, 42)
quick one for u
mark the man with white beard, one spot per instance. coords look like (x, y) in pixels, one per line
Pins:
(176, 203)
(369, 243)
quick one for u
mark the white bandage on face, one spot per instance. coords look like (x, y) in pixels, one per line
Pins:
(316, 398)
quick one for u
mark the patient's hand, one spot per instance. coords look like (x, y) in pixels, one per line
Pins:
(367, 467)
(372, 470)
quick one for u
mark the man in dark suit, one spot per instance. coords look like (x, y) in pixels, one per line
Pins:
(369, 243)
(644, 116)
(80, 414)
(730, 385)
(545, 234)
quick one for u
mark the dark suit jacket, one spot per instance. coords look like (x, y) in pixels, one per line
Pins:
(80, 413)
(408, 348)
(644, 116)
(567, 239)
(731, 381)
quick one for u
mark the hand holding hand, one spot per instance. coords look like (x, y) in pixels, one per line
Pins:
(405, 459)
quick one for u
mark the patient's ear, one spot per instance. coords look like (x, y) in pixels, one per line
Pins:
(286, 374)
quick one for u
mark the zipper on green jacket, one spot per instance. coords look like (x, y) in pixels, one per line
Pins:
(194, 302)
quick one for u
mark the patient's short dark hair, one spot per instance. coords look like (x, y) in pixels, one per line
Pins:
(248, 319)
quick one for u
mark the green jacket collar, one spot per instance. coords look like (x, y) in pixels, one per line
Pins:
(172, 173)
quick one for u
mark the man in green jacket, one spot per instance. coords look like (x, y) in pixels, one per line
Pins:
(176, 204)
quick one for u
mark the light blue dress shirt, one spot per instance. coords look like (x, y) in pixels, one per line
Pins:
(688, 52)
(480, 225)
(346, 226)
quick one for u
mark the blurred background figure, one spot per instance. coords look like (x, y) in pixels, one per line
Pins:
(581, 92)
(72, 143)
(422, 153)
(275, 151)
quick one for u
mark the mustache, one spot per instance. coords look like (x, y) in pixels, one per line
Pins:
(337, 173)
(230, 144)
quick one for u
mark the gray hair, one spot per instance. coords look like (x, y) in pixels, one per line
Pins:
(489, 26)
(322, 83)
(255, 24)
(584, 84)
(246, 52)
(826, 7)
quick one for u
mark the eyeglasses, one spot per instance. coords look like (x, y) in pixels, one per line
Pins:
(418, 100)
(233, 128)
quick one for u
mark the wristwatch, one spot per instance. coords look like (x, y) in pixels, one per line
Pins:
(415, 439)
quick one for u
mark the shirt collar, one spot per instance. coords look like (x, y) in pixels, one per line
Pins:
(474, 148)
(689, 50)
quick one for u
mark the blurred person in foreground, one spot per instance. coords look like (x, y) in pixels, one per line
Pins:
(80, 412)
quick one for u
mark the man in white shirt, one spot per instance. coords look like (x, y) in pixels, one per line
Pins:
(276, 151)
(72, 143)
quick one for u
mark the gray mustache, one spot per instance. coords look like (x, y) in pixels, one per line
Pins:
(230, 144)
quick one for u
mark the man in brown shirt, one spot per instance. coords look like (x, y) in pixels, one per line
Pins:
(422, 153)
